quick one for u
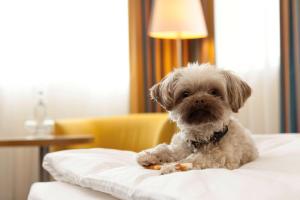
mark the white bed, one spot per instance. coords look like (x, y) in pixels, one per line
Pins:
(64, 191)
(275, 175)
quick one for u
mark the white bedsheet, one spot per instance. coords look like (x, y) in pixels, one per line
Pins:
(64, 191)
(275, 175)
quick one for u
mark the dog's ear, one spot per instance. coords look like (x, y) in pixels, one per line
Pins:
(238, 90)
(163, 92)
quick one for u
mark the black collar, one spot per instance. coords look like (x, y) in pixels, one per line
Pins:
(215, 138)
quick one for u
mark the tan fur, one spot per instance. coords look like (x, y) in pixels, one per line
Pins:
(237, 89)
(162, 92)
(201, 100)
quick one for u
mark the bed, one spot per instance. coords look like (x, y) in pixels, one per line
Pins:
(113, 174)
(59, 190)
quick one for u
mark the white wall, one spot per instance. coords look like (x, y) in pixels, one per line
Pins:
(248, 43)
(77, 50)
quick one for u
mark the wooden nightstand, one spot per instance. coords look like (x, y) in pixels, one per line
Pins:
(44, 143)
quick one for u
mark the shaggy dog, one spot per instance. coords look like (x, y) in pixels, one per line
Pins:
(201, 100)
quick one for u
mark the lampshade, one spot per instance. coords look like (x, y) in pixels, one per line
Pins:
(177, 19)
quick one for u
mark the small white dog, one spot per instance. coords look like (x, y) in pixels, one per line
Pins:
(201, 100)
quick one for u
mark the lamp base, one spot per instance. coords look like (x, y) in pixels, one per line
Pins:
(179, 52)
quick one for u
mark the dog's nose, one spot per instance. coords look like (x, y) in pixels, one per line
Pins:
(199, 101)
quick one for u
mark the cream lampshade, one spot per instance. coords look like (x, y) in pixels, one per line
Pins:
(177, 19)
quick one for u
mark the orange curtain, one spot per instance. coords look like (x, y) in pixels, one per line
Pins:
(151, 59)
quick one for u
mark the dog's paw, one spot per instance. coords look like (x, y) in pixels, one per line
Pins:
(168, 168)
(146, 158)
(175, 167)
(156, 156)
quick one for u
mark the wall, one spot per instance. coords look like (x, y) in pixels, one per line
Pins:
(77, 51)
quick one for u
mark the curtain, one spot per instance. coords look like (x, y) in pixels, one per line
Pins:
(151, 59)
(249, 45)
(290, 65)
(77, 52)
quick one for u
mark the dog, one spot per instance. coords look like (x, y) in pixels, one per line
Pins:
(201, 99)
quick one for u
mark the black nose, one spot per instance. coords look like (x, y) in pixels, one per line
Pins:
(199, 101)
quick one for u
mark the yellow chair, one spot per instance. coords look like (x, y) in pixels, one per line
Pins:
(133, 132)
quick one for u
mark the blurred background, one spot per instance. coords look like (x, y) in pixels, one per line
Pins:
(97, 58)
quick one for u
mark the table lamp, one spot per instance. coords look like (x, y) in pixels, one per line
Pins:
(177, 19)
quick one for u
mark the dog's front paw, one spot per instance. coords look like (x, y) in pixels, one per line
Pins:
(168, 168)
(146, 158)
(175, 167)
(159, 155)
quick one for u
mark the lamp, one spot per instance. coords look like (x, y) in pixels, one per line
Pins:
(177, 19)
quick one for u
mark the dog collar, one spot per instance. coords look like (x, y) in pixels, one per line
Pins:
(215, 138)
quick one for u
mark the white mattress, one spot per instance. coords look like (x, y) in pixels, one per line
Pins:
(64, 191)
(275, 175)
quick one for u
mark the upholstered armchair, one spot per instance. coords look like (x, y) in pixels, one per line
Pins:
(133, 132)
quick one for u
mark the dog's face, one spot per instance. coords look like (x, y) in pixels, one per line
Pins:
(200, 94)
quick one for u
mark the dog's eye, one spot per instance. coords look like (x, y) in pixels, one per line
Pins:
(214, 92)
(185, 94)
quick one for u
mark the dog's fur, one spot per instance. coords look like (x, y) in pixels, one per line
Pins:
(201, 100)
